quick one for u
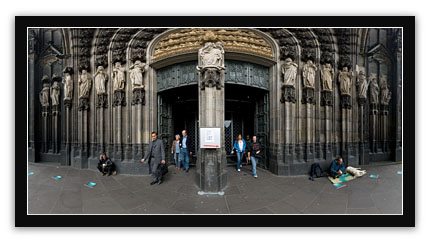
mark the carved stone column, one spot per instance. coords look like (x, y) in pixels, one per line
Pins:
(44, 101)
(137, 71)
(211, 163)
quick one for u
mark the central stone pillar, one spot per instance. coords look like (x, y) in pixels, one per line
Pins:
(211, 174)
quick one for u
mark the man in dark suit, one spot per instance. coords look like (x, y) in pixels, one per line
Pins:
(155, 155)
(185, 144)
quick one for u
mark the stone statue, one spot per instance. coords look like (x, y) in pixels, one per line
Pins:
(327, 76)
(374, 89)
(136, 74)
(362, 85)
(308, 74)
(289, 70)
(55, 93)
(385, 92)
(44, 94)
(84, 84)
(345, 79)
(118, 77)
(68, 85)
(211, 55)
(100, 78)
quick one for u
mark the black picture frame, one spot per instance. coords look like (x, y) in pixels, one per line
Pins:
(407, 219)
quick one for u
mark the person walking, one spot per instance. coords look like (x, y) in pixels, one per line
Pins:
(155, 155)
(239, 146)
(176, 150)
(185, 145)
(248, 143)
(254, 154)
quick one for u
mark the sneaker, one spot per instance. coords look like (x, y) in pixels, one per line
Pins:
(255, 176)
(238, 169)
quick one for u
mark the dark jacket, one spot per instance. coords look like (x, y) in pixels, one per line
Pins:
(187, 142)
(156, 154)
(334, 167)
(253, 148)
(108, 162)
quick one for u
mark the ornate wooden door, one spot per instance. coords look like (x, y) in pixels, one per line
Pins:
(262, 128)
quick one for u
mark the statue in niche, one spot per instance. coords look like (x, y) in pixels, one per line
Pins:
(84, 84)
(308, 73)
(385, 92)
(327, 76)
(136, 74)
(374, 89)
(68, 83)
(44, 93)
(362, 85)
(100, 80)
(289, 70)
(345, 80)
(55, 92)
(118, 77)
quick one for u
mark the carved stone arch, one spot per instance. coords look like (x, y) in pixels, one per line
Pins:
(101, 45)
(308, 43)
(189, 52)
(327, 46)
(286, 42)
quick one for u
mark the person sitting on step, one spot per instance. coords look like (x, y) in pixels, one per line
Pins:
(337, 168)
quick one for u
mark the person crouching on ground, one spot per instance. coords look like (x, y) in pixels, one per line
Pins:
(337, 168)
(155, 156)
(105, 165)
(254, 153)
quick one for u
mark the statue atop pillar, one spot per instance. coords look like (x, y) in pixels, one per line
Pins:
(84, 82)
(55, 91)
(44, 93)
(136, 75)
(345, 80)
(211, 61)
(289, 73)
(68, 85)
(118, 76)
(308, 74)
(327, 76)
(374, 89)
(385, 92)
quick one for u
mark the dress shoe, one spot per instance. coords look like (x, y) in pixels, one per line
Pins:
(186, 170)
(159, 182)
(153, 182)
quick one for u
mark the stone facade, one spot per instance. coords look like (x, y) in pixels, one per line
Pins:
(330, 92)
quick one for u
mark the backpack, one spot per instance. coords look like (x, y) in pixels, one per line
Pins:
(316, 171)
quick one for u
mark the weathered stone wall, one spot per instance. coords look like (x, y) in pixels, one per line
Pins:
(308, 122)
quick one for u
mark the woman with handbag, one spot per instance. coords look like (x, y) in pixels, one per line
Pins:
(254, 154)
(239, 146)
(176, 150)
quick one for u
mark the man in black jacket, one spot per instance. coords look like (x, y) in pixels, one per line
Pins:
(105, 165)
(254, 154)
(155, 155)
(185, 144)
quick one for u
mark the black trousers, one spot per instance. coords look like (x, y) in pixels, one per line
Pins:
(107, 169)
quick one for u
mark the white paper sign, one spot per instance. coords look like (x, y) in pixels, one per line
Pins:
(210, 138)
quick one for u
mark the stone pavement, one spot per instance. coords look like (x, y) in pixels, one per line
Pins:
(127, 194)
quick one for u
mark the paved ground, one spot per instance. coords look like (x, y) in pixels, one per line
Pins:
(126, 194)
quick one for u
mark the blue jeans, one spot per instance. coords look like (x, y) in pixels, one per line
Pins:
(254, 161)
(176, 156)
(239, 156)
(185, 158)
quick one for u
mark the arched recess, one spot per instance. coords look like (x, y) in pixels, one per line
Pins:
(230, 54)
